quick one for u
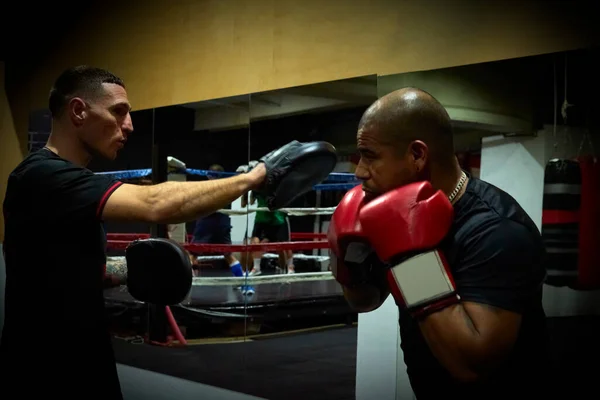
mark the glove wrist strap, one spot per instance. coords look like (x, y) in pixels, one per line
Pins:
(423, 283)
(424, 311)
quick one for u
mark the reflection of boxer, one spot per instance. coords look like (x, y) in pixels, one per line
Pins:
(216, 229)
(52, 187)
(465, 264)
(270, 226)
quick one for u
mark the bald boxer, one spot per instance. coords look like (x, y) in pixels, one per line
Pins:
(55, 328)
(461, 258)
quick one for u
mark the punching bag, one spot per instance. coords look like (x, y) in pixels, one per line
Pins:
(560, 221)
(589, 226)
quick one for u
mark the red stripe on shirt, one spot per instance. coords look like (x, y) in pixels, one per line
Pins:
(105, 197)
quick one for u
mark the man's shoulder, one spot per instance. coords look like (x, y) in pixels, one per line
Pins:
(490, 224)
(486, 208)
(494, 203)
(39, 164)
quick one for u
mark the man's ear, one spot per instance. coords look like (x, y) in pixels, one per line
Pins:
(419, 154)
(77, 111)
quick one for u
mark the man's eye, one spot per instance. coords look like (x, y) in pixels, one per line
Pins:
(368, 155)
(121, 111)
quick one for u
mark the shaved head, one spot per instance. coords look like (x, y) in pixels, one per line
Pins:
(409, 114)
(405, 136)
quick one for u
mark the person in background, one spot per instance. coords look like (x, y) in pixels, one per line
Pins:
(269, 226)
(216, 229)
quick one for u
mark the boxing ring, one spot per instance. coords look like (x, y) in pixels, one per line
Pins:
(312, 290)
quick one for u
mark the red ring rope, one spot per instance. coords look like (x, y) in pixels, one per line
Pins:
(134, 236)
(120, 241)
(242, 248)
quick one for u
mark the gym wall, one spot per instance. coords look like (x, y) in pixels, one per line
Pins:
(195, 50)
(12, 146)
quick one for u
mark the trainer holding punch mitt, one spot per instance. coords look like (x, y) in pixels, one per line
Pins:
(53, 187)
(462, 260)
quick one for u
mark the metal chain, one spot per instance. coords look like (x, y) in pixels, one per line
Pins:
(461, 182)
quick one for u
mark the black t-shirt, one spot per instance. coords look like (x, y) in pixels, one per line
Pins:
(55, 336)
(496, 255)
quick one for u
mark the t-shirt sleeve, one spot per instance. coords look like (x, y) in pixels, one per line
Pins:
(501, 265)
(73, 192)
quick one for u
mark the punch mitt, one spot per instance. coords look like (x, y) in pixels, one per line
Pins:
(159, 271)
(293, 169)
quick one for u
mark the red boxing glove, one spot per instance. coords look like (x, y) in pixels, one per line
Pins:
(405, 226)
(350, 250)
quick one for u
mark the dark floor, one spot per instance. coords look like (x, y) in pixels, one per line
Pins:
(317, 365)
(322, 365)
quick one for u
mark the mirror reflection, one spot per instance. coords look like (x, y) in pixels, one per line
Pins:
(216, 240)
(293, 295)
(188, 143)
(265, 315)
(524, 134)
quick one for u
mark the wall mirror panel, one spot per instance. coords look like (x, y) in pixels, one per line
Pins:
(293, 303)
(264, 315)
(528, 126)
(187, 143)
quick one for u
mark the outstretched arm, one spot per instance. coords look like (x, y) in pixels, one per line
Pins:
(177, 202)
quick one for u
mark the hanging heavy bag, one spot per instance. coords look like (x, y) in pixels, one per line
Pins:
(588, 273)
(560, 220)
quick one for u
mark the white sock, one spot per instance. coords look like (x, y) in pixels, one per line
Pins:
(290, 262)
(257, 263)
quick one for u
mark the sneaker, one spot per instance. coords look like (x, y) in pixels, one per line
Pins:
(248, 290)
(254, 272)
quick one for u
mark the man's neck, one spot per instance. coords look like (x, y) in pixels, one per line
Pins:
(67, 148)
(446, 178)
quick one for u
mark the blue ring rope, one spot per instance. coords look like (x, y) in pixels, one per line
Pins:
(346, 181)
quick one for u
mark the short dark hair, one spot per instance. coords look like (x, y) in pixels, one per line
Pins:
(82, 80)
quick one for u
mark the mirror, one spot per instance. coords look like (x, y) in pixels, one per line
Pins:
(510, 119)
(216, 240)
(189, 142)
(39, 128)
(292, 289)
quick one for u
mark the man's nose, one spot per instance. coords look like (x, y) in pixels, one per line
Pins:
(127, 125)
(361, 172)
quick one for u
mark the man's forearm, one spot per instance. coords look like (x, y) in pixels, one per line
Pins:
(177, 202)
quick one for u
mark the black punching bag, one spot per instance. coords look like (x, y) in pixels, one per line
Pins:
(560, 220)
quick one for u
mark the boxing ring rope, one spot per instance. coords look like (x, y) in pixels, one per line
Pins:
(241, 248)
(231, 280)
(297, 212)
(243, 280)
(344, 181)
(300, 241)
(260, 247)
(135, 236)
(334, 181)
(262, 279)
